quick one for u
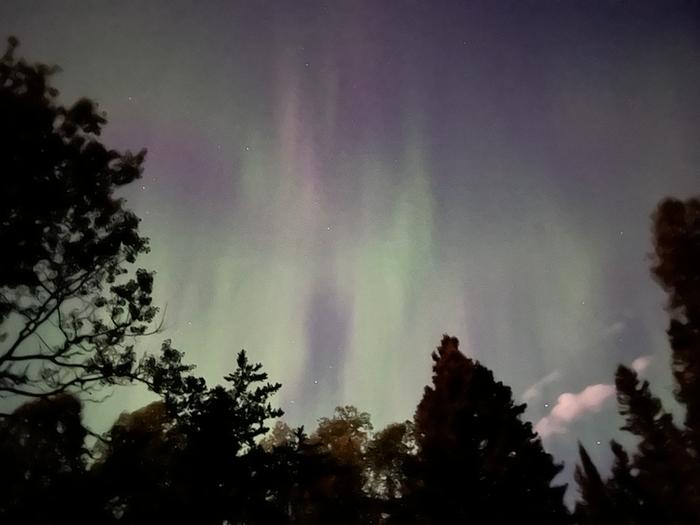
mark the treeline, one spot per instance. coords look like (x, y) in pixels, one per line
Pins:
(72, 309)
(204, 455)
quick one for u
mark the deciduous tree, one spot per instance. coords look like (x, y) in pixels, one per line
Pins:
(70, 306)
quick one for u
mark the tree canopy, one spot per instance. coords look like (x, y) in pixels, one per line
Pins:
(70, 306)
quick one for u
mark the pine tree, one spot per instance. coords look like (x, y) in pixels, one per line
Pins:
(665, 471)
(661, 481)
(658, 484)
(192, 458)
(596, 504)
(618, 501)
(477, 460)
(677, 268)
(626, 492)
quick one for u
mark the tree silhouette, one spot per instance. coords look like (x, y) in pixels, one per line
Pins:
(476, 460)
(345, 435)
(387, 455)
(625, 491)
(657, 484)
(340, 445)
(597, 504)
(42, 453)
(664, 469)
(134, 473)
(660, 483)
(676, 266)
(69, 310)
(280, 435)
(192, 458)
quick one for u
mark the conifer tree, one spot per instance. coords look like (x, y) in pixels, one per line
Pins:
(676, 266)
(597, 504)
(663, 466)
(660, 483)
(624, 489)
(192, 458)
(477, 460)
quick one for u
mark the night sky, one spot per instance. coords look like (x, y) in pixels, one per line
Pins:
(334, 185)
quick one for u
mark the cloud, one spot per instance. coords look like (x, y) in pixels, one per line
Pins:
(614, 329)
(571, 406)
(640, 364)
(534, 391)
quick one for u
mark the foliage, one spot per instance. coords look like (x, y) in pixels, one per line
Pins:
(42, 453)
(660, 482)
(387, 455)
(474, 452)
(676, 266)
(192, 455)
(344, 436)
(70, 310)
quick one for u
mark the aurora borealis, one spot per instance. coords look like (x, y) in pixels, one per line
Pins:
(333, 185)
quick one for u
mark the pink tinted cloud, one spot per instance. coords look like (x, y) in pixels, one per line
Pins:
(534, 391)
(571, 406)
(640, 364)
